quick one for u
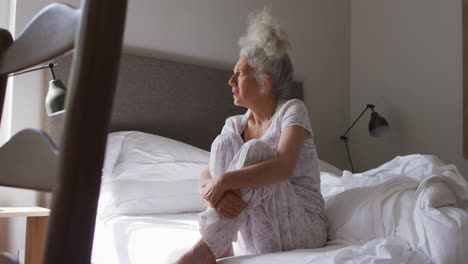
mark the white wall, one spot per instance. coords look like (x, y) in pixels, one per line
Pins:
(206, 32)
(4, 13)
(406, 58)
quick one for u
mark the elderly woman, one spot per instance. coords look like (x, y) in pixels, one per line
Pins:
(263, 177)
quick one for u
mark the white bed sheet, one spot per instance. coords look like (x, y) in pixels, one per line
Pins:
(144, 239)
(163, 238)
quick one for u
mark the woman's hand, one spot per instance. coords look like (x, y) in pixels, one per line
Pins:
(211, 192)
(231, 204)
(205, 178)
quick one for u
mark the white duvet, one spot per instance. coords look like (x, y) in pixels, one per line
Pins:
(413, 209)
(416, 199)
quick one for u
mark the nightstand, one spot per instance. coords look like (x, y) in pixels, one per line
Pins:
(36, 229)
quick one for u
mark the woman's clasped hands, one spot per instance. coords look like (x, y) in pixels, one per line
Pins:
(228, 203)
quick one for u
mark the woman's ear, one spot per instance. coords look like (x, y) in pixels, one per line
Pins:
(268, 85)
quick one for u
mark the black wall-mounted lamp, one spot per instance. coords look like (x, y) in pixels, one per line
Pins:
(378, 126)
(55, 99)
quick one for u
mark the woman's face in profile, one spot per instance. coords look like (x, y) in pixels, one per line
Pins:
(245, 88)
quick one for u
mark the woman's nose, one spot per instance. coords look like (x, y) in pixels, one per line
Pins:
(232, 81)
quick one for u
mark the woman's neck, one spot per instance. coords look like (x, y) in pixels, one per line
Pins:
(263, 112)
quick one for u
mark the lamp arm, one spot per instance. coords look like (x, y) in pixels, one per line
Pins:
(355, 121)
(345, 139)
(31, 70)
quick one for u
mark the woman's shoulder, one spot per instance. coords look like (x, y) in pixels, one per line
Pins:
(292, 105)
(234, 120)
(294, 112)
(234, 123)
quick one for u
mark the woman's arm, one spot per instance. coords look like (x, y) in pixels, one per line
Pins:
(231, 203)
(265, 173)
(271, 171)
(205, 176)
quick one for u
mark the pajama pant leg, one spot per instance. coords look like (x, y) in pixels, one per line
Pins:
(274, 219)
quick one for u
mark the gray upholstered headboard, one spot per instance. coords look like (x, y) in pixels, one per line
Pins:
(185, 102)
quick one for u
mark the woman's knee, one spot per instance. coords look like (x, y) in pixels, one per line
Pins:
(226, 141)
(257, 151)
(223, 151)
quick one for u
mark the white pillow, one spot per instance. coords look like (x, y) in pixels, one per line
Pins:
(149, 174)
(148, 198)
(133, 155)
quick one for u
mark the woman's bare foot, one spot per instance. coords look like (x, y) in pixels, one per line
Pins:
(199, 254)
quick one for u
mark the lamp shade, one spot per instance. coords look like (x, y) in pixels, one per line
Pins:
(378, 126)
(55, 99)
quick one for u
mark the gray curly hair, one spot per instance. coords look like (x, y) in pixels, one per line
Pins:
(265, 46)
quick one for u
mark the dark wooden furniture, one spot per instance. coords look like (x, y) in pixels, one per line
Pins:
(72, 172)
(465, 77)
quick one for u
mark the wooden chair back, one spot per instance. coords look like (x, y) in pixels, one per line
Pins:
(73, 173)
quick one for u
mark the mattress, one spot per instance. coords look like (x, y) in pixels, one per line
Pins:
(163, 238)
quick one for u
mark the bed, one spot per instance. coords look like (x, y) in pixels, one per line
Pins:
(412, 209)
